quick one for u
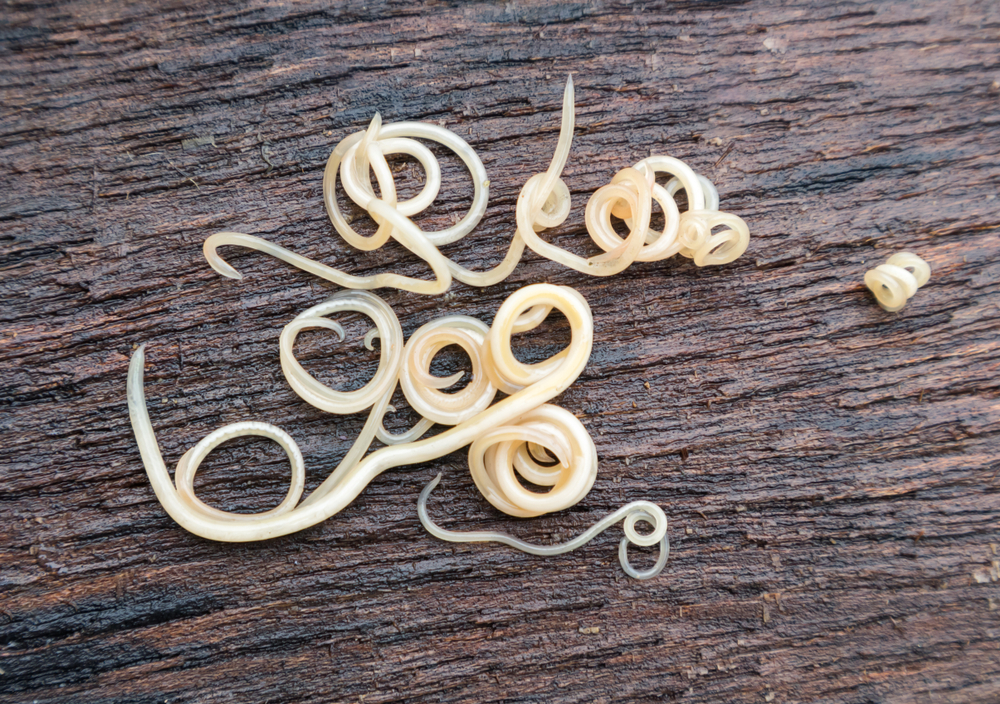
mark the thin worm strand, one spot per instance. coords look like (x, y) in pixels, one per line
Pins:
(632, 513)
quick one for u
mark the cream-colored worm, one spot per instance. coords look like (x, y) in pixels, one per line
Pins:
(375, 394)
(634, 512)
(522, 420)
(422, 389)
(392, 217)
(544, 202)
(496, 455)
(895, 282)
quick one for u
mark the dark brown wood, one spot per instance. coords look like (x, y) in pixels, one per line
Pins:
(830, 470)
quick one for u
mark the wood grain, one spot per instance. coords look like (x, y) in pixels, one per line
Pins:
(830, 471)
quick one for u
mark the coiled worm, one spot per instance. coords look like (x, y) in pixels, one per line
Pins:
(351, 161)
(701, 233)
(895, 282)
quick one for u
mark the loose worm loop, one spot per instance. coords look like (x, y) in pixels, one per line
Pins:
(633, 513)
(895, 282)
(181, 502)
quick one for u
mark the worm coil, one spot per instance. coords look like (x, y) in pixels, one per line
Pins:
(701, 233)
(895, 282)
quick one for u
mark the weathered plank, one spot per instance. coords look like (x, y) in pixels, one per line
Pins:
(830, 470)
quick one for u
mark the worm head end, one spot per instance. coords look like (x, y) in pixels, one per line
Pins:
(220, 265)
(209, 249)
(227, 271)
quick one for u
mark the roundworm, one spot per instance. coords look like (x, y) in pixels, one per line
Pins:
(351, 161)
(634, 512)
(701, 233)
(895, 282)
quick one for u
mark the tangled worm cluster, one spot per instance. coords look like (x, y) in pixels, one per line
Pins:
(522, 434)
(353, 160)
(895, 282)
(701, 233)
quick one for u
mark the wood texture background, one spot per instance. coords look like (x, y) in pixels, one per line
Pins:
(830, 471)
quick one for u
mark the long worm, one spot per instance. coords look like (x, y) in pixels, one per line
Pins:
(393, 218)
(701, 233)
(632, 513)
(351, 161)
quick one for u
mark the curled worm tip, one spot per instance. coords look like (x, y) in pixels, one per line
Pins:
(216, 261)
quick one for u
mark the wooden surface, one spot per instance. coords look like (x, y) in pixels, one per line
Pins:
(830, 471)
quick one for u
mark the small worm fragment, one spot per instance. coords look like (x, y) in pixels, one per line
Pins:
(895, 282)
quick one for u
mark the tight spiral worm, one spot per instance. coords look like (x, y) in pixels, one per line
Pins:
(896, 281)
(701, 233)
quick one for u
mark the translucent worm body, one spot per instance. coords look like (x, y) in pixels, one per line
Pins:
(632, 513)
(500, 434)
(895, 282)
